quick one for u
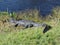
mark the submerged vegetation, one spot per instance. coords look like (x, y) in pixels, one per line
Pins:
(10, 35)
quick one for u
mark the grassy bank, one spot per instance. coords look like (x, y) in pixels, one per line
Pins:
(30, 36)
(10, 35)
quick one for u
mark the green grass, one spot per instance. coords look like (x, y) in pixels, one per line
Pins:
(26, 37)
(31, 36)
(10, 35)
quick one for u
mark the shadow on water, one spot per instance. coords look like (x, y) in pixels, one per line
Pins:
(45, 6)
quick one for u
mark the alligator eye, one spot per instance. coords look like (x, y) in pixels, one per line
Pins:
(46, 28)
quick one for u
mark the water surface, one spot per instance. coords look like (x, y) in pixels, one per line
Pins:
(45, 6)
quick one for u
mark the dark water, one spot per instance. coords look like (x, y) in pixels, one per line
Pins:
(45, 6)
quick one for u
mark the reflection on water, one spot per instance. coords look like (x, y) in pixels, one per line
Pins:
(45, 6)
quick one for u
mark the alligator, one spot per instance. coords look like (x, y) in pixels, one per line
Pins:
(29, 24)
(25, 23)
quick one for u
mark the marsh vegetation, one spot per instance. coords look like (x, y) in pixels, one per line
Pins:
(10, 35)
